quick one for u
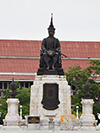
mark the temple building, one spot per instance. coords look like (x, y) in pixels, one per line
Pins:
(19, 59)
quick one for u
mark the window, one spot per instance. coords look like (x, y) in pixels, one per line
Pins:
(31, 84)
(26, 85)
(5, 85)
(22, 84)
(0, 85)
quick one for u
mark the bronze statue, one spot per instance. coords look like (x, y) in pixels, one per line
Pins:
(50, 55)
(87, 94)
(13, 88)
(50, 48)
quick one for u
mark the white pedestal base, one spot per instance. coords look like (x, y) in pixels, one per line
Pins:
(36, 108)
(12, 118)
(11, 128)
(33, 127)
(87, 118)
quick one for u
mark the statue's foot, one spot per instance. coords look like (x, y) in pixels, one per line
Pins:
(53, 67)
(48, 68)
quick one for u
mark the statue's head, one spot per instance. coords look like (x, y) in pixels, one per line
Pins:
(51, 29)
(51, 32)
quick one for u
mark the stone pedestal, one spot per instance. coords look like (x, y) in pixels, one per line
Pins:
(87, 118)
(36, 108)
(12, 118)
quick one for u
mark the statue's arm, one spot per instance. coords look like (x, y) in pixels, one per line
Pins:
(43, 46)
(58, 49)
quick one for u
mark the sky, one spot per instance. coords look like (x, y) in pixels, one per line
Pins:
(74, 20)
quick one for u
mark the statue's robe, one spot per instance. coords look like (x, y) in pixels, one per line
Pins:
(50, 44)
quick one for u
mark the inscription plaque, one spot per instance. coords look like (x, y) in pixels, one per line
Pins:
(33, 119)
(50, 99)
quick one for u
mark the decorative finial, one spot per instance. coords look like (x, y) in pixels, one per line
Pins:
(52, 15)
(13, 88)
(87, 93)
(51, 27)
(87, 85)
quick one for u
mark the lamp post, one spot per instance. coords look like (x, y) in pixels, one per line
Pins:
(20, 111)
(0, 112)
(77, 112)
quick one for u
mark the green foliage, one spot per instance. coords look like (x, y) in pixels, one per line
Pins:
(74, 113)
(3, 109)
(73, 110)
(94, 68)
(76, 98)
(23, 94)
(96, 108)
(25, 110)
(6, 93)
(77, 77)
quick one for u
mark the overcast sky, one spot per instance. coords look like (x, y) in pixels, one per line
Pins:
(74, 20)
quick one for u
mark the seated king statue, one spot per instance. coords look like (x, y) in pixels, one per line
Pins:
(50, 54)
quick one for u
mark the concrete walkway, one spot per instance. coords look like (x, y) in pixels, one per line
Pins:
(45, 131)
(24, 130)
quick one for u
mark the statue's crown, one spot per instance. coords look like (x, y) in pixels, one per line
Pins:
(51, 26)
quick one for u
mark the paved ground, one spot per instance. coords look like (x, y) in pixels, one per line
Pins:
(23, 130)
(46, 131)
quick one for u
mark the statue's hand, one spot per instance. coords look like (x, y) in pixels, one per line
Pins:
(51, 53)
(57, 49)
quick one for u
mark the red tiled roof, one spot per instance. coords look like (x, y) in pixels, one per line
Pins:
(32, 48)
(18, 65)
(81, 49)
(32, 65)
(19, 48)
(98, 78)
(23, 77)
(70, 63)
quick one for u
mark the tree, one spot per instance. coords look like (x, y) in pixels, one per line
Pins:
(94, 67)
(77, 77)
(3, 109)
(23, 94)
